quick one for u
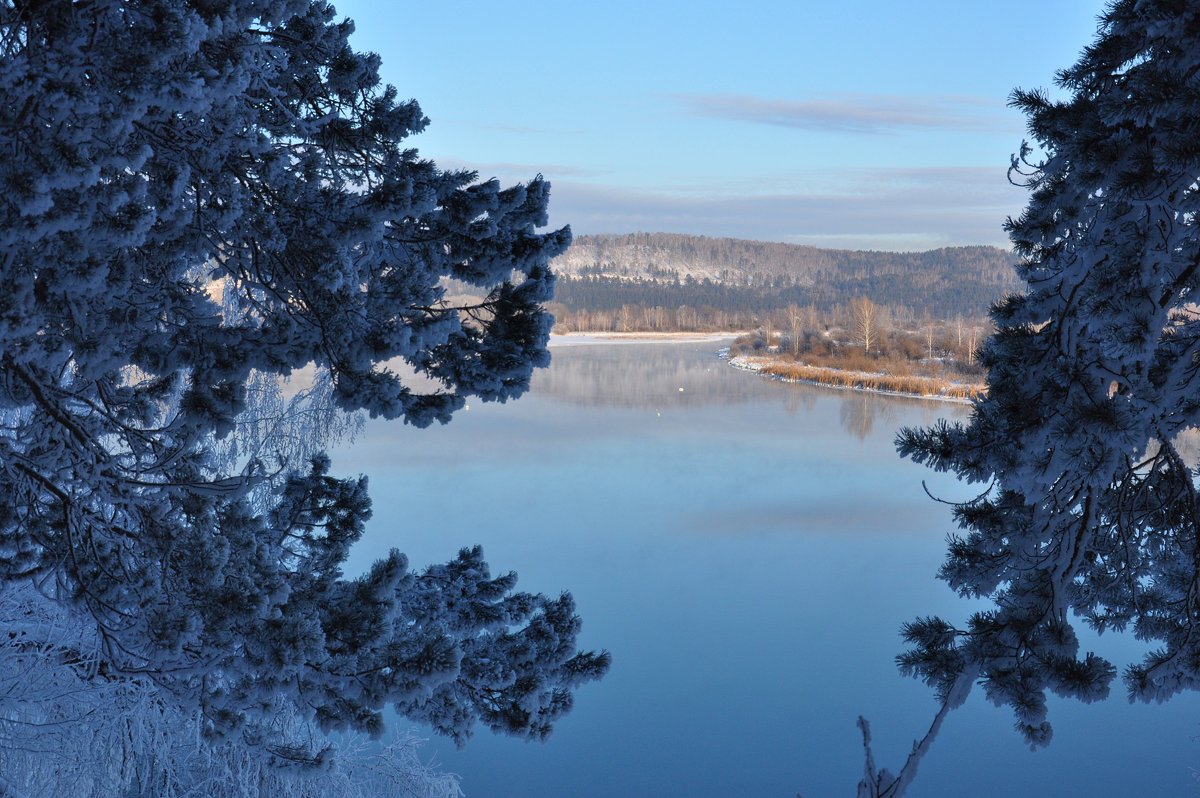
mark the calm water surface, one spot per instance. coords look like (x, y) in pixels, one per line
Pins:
(747, 550)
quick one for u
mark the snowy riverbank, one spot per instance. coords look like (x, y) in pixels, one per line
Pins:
(875, 382)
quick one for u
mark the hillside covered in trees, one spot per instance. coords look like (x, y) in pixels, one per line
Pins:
(673, 281)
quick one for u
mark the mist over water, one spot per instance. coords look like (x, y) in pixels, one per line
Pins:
(747, 550)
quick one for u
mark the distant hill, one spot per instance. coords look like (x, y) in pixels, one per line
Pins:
(609, 271)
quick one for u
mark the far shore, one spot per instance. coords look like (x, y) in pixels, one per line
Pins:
(915, 386)
(575, 338)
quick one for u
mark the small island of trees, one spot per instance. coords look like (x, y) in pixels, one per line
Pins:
(862, 346)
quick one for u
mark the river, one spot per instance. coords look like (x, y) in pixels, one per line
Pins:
(747, 550)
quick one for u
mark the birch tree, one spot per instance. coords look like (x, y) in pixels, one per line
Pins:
(865, 316)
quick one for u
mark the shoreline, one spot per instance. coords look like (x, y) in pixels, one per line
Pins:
(863, 381)
(584, 338)
(914, 387)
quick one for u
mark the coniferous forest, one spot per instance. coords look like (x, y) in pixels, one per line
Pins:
(663, 281)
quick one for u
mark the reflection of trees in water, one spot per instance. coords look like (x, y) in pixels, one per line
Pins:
(804, 400)
(859, 410)
(647, 376)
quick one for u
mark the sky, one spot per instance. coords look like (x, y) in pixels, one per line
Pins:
(856, 125)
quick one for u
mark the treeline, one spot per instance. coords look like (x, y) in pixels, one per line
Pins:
(654, 318)
(867, 333)
(668, 256)
(647, 281)
(616, 305)
(864, 338)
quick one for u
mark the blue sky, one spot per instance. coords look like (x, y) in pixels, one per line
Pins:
(864, 125)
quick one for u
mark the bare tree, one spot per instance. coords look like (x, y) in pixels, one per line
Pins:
(796, 321)
(864, 315)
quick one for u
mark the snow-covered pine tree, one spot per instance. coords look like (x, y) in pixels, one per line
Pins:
(196, 195)
(69, 728)
(1090, 508)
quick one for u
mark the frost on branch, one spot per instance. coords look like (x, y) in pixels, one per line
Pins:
(1092, 379)
(196, 200)
(1091, 509)
(69, 726)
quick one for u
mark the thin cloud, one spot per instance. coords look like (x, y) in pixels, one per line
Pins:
(873, 114)
(896, 209)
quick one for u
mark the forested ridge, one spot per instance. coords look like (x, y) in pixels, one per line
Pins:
(667, 270)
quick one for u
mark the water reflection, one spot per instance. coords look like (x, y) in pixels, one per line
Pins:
(663, 377)
(747, 554)
(858, 414)
(639, 376)
(795, 401)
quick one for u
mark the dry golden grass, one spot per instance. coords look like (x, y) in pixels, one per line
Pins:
(912, 384)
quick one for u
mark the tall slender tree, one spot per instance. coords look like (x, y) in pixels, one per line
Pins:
(1088, 509)
(864, 316)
